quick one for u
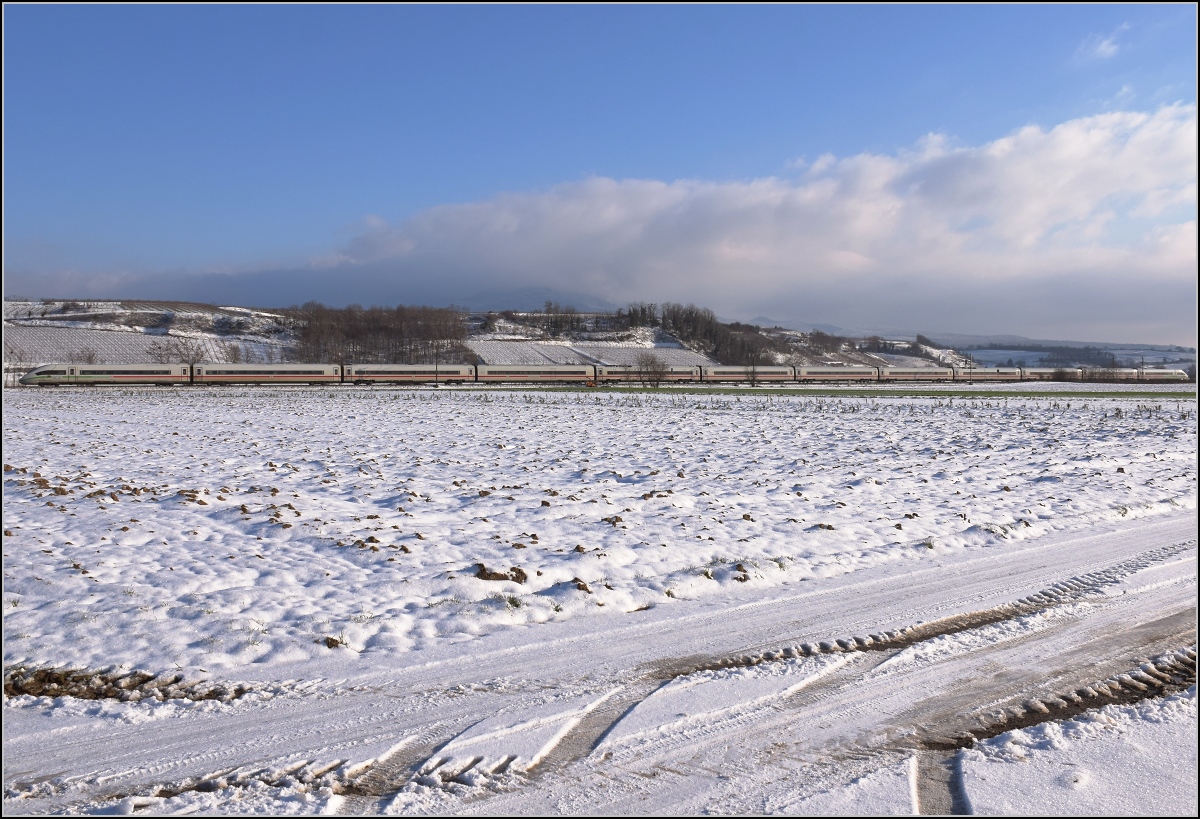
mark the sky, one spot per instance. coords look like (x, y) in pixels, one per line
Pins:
(1023, 169)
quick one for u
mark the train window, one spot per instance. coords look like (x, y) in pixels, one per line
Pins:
(124, 372)
(265, 372)
(442, 371)
(72, 370)
(538, 372)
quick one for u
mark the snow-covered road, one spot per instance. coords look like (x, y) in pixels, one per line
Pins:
(812, 670)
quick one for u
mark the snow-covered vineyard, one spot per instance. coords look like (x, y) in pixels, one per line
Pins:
(278, 549)
(128, 346)
(131, 332)
(537, 353)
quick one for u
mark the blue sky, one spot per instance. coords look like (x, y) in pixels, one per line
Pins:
(383, 154)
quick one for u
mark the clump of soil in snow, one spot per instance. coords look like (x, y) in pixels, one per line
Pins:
(126, 686)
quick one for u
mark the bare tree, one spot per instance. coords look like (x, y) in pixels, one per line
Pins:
(754, 355)
(824, 342)
(188, 350)
(14, 353)
(233, 353)
(86, 355)
(171, 350)
(159, 351)
(16, 363)
(652, 369)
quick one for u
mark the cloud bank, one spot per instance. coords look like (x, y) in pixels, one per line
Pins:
(1083, 230)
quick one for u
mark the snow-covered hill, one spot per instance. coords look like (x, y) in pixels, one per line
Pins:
(119, 332)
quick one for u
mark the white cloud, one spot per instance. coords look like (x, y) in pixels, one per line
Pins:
(1099, 47)
(822, 163)
(1086, 229)
(940, 236)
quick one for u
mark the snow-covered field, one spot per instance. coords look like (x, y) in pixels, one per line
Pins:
(1065, 392)
(319, 547)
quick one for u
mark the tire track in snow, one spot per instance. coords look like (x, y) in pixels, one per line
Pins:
(372, 790)
(1164, 675)
(709, 714)
(939, 785)
(423, 765)
(595, 725)
(585, 737)
(1072, 590)
(942, 793)
(889, 642)
(308, 774)
(939, 782)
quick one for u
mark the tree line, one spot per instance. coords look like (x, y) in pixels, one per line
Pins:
(731, 344)
(379, 335)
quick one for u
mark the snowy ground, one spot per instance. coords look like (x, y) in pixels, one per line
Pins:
(446, 601)
(1065, 392)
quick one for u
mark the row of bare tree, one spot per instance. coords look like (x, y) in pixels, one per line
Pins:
(177, 349)
(379, 335)
(731, 344)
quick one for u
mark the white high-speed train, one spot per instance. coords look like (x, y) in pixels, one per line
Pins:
(257, 374)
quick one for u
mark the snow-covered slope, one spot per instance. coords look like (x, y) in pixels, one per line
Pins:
(136, 331)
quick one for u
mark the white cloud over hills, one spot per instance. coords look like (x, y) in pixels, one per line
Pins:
(1083, 230)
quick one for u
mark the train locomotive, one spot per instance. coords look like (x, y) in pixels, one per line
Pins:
(579, 374)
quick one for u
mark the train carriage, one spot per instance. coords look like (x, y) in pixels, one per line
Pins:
(1162, 375)
(916, 374)
(267, 373)
(970, 374)
(837, 374)
(1110, 374)
(106, 374)
(533, 374)
(748, 374)
(1051, 373)
(633, 374)
(410, 374)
